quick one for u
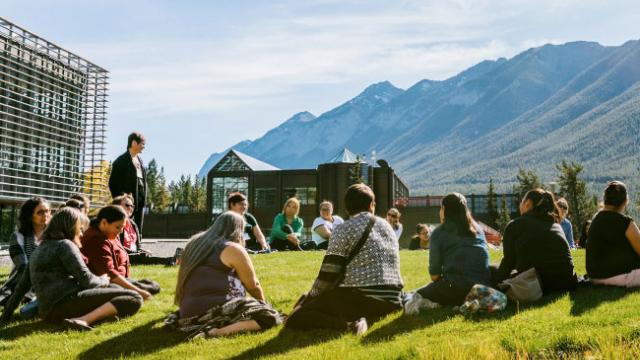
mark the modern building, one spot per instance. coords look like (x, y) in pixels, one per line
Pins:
(52, 123)
(267, 187)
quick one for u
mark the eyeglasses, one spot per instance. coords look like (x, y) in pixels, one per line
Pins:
(128, 206)
(325, 209)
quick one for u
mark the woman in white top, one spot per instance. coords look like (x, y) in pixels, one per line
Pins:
(393, 218)
(324, 225)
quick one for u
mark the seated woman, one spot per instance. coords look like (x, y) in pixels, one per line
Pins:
(458, 258)
(253, 236)
(214, 273)
(86, 203)
(34, 216)
(67, 291)
(287, 227)
(584, 234)
(393, 218)
(372, 285)
(131, 239)
(324, 225)
(613, 249)
(106, 255)
(567, 228)
(421, 239)
(536, 240)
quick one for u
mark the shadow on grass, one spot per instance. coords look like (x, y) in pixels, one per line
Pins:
(144, 339)
(587, 298)
(16, 329)
(406, 324)
(287, 340)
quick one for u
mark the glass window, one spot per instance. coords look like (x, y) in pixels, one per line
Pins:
(306, 195)
(265, 197)
(221, 187)
(231, 163)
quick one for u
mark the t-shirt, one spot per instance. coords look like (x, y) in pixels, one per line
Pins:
(398, 231)
(609, 252)
(129, 238)
(249, 223)
(337, 220)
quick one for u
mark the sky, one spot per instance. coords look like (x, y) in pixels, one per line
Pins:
(196, 77)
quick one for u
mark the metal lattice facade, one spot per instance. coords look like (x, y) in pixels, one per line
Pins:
(52, 120)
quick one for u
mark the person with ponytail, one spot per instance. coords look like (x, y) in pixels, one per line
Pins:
(215, 272)
(458, 258)
(106, 254)
(613, 248)
(67, 291)
(536, 240)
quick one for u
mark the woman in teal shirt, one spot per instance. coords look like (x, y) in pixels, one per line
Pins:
(287, 227)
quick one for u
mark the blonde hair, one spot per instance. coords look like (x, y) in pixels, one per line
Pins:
(227, 227)
(289, 201)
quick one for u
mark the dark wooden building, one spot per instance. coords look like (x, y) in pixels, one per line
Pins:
(267, 187)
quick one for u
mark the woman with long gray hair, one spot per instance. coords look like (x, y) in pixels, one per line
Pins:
(214, 274)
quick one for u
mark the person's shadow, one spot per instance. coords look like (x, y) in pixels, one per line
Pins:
(15, 329)
(588, 297)
(144, 339)
(287, 340)
(405, 324)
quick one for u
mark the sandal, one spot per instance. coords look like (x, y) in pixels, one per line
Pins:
(74, 324)
(202, 334)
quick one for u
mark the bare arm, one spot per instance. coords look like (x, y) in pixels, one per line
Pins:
(260, 237)
(323, 231)
(237, 258)
(633, 235)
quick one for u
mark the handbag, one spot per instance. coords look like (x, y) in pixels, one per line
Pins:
(524, 287)
(333, 268)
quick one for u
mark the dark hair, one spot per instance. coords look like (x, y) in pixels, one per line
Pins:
(62, 225)
(358, 198)
(111, 213)
(234, 198)
(421, 227)
(615, 194)
(457, 218)
(118, 199)
(584, 234)
(73, 203)
(82, 198)
(544, 205)
(26, 215)
(134, 136)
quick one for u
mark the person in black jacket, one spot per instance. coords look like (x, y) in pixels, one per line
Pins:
(536, 240)
(128, 176)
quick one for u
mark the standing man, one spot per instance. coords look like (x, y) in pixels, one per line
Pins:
(128, 176)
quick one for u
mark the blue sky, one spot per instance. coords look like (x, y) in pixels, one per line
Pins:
(199, 76)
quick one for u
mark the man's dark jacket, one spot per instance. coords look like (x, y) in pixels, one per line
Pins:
(124, 179)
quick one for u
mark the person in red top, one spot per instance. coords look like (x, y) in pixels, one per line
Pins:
(106, 255)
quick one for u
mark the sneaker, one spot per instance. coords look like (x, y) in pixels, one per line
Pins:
(416, 303)
(358, 327)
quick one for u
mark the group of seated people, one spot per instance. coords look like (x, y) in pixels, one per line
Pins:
(75, 271)
(359, 280)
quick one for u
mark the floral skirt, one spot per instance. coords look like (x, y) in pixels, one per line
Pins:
(231, 312)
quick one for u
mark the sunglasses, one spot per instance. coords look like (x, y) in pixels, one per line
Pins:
(128, 206)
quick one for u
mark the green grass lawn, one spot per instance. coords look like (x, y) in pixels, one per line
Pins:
(593, 322)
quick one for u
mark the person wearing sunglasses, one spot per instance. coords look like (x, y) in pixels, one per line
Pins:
(563, 210)
(324, 224)
(131, 238)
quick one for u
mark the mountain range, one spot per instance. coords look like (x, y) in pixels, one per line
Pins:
(578, 101)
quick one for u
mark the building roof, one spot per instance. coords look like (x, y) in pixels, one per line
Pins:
(253, 163)
(344, 156)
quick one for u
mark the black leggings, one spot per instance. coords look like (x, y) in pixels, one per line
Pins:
(126, 302)
(144, 259)
(444, 293)
(335, 308)
(146, 284)
(284, 244)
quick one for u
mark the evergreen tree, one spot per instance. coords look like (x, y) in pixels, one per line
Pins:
(492, 204)
(157, 192)
(355, 172)
(504, 216)
(198, 195)
(527, 180)
(574, 190)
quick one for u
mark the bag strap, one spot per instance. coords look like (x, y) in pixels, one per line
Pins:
(362, 240)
